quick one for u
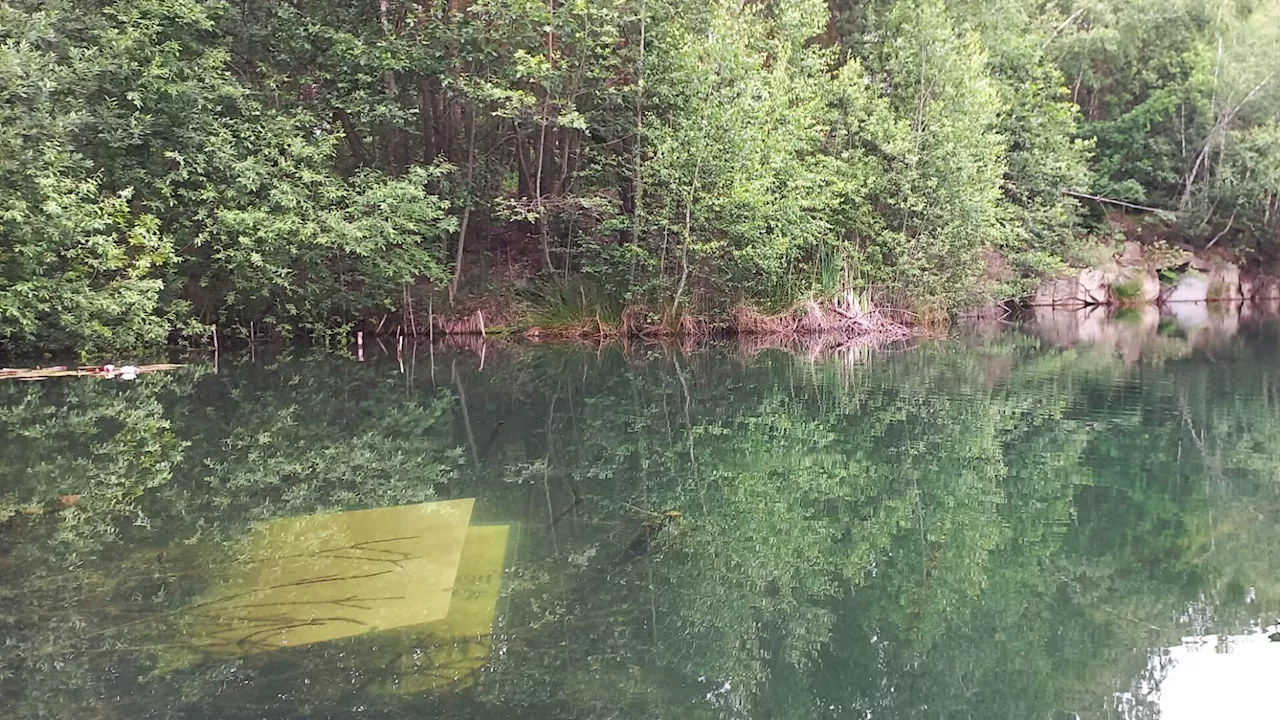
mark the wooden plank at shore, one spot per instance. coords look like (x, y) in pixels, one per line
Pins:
(90, 371)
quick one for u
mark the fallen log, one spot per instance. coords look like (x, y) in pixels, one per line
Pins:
(126, 372)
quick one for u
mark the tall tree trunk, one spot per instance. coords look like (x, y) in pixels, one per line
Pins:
(457, 132)
(397, 160)
(544, 232)
(569, 142)
(524, 180)
(354, 141)
(426, 121)
(392, 141)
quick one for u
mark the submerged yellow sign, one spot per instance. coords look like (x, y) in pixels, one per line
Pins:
(324, 577)
(458, 646)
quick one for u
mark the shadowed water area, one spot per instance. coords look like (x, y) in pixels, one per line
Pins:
(1078, 517)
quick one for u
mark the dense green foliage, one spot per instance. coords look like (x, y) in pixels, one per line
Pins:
(305, 166)
(1178, 95)
(990, 531)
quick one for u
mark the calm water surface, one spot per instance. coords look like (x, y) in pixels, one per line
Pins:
(1078, 518)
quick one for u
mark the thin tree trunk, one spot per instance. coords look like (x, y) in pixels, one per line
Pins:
(1063, 26)
(466, 211)
(688, 232)
(567, 136)
(457, 260)
(1218, 129)
(426, 121)
(1182, 129)
(1225, 230)
(541, 158)
(1112, 201)
(638, 182)
(540, 204)
(439, 102)
(662, 262)
(918, 125)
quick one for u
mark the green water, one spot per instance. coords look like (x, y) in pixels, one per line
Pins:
(1048, 522)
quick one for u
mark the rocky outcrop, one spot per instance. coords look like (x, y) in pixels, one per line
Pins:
(1087, 287)
(1131, 279)
(1190, 288)
(1134, 286)
(1062, 292)
(1259, 287)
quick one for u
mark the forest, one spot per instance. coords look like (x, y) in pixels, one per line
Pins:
(312, 167)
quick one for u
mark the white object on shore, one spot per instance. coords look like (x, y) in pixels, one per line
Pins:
(128, 372)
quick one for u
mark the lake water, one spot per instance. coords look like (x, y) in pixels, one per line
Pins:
(1074, 518)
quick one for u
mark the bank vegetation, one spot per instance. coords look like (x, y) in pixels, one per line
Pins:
(313, 167)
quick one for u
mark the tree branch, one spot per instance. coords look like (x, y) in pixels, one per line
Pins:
(1113, 201)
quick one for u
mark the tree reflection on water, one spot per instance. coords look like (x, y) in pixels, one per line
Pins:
(998, 527)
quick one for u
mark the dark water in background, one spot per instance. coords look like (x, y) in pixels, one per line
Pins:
(1078, 518)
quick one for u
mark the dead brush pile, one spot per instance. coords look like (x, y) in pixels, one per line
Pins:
(472, 324)
(844, 317)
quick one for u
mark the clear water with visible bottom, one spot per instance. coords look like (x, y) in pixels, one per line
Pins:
(1074, 518)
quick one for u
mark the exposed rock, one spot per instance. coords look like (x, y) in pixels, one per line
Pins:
(1223, 277)
(1248, 286)
(1088, 287)
(1132, 255)
(1225, 285)
(1261, 287)
(1044, 295)
(1094, 286)
(1192, 287)
(1132, 280)
(1134, 286)
(1061, 292)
